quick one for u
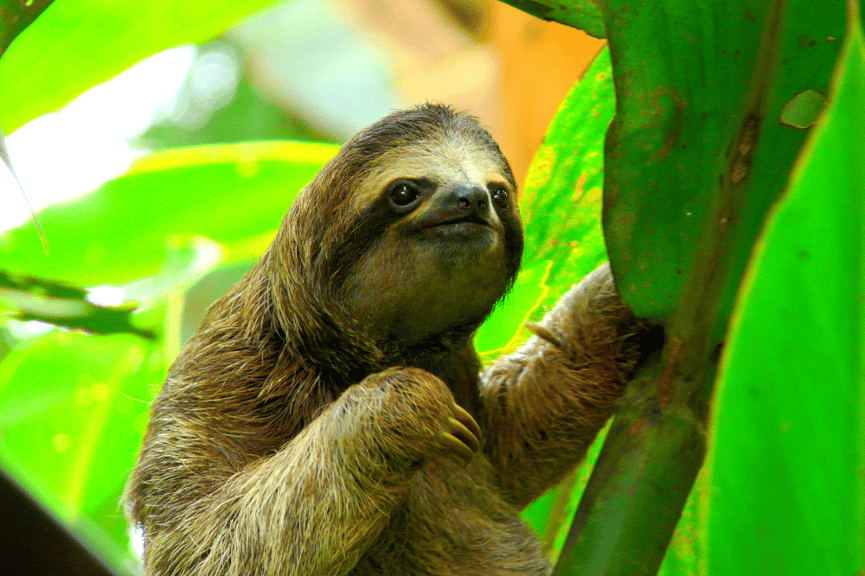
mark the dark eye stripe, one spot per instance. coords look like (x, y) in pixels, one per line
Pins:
(369, 226)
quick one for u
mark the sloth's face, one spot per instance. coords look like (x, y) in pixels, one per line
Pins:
(448, 245)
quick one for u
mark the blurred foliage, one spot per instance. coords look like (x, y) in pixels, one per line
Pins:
(28, 298)
(71, 407)
(63, 52)
(234, 195)
(716, 98)
(213, 112)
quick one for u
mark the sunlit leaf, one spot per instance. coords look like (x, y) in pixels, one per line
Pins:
(233, 194)
(561, 199)
(72, 413)
(77, 44)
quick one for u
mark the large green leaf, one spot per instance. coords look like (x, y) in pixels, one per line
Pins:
(560, 206)
(788, 451)
(560, 202)
(77, 44)
(697, 150)
(696, 155)
(235, 195)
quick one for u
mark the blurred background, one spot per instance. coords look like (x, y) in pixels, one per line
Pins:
(307, 70)
(73, 406)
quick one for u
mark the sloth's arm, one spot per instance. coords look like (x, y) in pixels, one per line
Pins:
(545, 403)
(317, 504)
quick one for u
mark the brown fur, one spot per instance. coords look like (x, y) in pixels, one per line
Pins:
(310, 426)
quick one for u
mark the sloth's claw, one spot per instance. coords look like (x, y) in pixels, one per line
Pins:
(466, 419)
(461, 434)
(452, 443)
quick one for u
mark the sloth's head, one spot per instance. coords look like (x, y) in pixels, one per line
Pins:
(414, 226)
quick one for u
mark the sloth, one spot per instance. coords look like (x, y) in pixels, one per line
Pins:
(331, 416)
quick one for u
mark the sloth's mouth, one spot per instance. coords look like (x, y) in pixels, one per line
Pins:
(461, 221)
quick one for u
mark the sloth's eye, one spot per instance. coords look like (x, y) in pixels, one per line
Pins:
(403, 196)
(500, 197)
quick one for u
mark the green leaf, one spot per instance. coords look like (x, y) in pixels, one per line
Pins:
(560, 206)
(696, 155)
(700, 87)
(30, 298)
(77, 44)
(580, 14)
(503, 330)
(560, 202)
(73, 408)
(234, 194)
(788, 450)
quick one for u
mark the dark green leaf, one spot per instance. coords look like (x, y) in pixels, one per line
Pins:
(580, 14)
(64, 305)
(15, 16)
(700, 87)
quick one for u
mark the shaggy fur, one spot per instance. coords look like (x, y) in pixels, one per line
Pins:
(316, 424)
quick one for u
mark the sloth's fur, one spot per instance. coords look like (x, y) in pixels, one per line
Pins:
(308, 427)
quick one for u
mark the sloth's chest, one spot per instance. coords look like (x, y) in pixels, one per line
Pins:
(454, 522)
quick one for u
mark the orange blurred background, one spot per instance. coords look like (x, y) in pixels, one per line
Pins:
(510, 69)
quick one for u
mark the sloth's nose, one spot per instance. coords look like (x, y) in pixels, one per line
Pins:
(472, 199)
